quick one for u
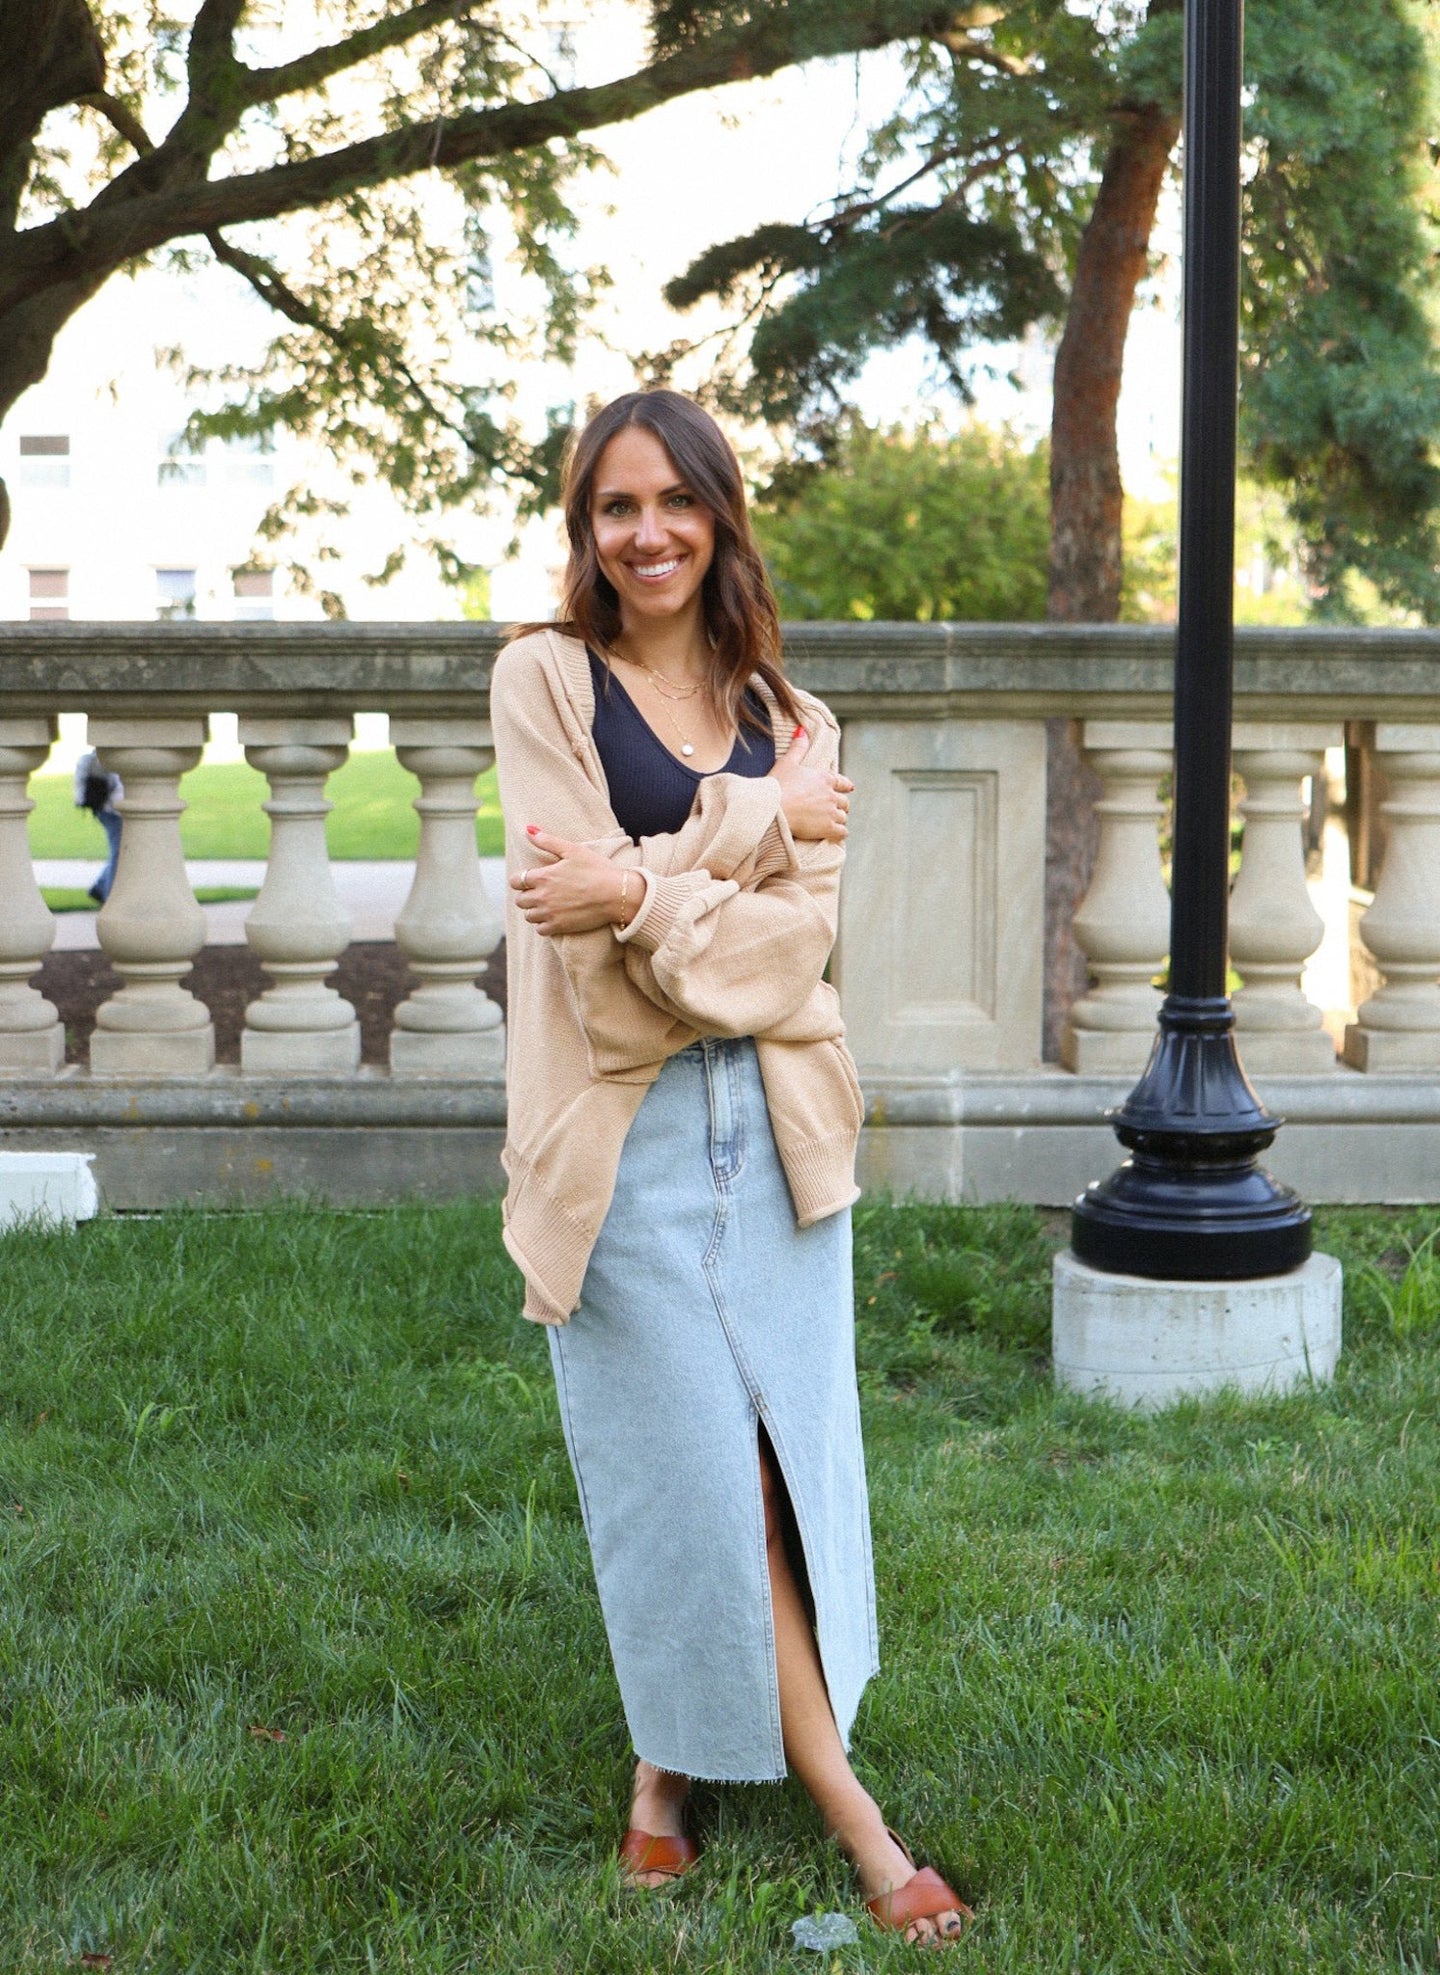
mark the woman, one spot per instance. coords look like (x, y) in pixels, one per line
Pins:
(682, 1124)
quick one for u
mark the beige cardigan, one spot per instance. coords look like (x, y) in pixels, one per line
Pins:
(731, 939)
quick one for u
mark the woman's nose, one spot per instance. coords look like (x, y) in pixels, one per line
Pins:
(650, 530)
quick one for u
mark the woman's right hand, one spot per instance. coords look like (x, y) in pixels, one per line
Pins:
(815, 803)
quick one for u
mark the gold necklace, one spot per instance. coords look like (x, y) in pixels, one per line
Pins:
(665, 686)
(687, 746)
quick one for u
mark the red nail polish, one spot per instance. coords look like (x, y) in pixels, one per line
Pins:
(797, 733)
(532, 829)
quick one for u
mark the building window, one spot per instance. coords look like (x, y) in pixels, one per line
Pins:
(175, 592)
(44, 459)
(254, 594)
(249, 461)
(49, 594)
(182, 461)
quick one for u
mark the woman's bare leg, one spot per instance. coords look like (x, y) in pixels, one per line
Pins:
(812, 1742)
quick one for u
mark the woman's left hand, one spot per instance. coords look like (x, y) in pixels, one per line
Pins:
(577, 893)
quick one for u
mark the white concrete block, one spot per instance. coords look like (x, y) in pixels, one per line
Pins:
(48, 1186)
(478, 1053)
(1147, 1343)
(300, 1053)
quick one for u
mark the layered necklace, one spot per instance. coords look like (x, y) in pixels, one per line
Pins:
(666, 690)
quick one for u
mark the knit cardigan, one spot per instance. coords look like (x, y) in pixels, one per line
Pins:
(731, 938)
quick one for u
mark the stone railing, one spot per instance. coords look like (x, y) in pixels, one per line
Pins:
(940, 957)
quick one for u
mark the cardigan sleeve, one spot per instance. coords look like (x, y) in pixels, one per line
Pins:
(735, 962)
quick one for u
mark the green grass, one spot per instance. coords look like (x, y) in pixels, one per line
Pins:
(1159, 1694)
(69, 898)
(372, 817)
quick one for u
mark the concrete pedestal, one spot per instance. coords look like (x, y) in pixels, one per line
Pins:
(32, 1052)
(300, 1052)
(145, 1052)
(1147, 1343)
(48, 1186)
(474, 1053)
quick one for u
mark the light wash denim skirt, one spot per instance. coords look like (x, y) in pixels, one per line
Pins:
(706, 1313)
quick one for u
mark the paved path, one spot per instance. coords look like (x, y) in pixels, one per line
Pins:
(372, 893)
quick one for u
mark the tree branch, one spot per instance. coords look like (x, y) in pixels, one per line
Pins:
(965, 48)
(306, 71)
(272, 288)
(130, 218)
(121, 119)
(211, 53)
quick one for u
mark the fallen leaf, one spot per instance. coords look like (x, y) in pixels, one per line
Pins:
(97, 1960)
(266, 1734)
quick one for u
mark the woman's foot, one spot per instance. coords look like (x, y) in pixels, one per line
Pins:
(883, 1867)
(657, 1805)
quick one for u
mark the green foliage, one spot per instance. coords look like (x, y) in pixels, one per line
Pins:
(1341, 394)
(302, 1668)
(912, 525)
(392, 157)
(1003, 126)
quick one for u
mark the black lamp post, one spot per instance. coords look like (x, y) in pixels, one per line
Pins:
(1191, 1203)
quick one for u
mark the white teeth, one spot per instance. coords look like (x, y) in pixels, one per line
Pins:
(656, 568)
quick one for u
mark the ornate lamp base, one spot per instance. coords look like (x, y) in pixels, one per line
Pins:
(1191, 1203)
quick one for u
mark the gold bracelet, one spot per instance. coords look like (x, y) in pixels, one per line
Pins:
(624, 895)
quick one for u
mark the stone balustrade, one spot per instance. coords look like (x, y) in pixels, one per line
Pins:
(940, 957)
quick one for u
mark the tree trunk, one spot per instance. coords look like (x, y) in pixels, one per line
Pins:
(1085, 507)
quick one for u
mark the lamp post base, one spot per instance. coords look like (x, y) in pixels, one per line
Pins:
(1149, 1344)
(1190, 1203)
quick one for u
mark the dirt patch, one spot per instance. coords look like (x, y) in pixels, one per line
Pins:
(372, 974)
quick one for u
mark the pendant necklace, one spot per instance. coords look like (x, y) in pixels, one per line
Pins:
(687, 746)
(666, 690)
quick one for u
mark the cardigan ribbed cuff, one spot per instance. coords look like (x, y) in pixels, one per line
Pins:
(821, 1172)
(656, 918)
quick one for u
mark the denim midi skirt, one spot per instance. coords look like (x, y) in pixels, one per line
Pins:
(707, 1315)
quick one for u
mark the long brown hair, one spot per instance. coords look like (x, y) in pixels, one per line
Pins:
(738, 604)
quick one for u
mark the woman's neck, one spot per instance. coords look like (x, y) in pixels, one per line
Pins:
(676, 646)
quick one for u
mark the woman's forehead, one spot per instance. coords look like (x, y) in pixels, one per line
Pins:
(636, 461)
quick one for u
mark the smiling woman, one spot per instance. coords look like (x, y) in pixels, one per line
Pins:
(682, 1120)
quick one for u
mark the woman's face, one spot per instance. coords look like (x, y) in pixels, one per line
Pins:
(654, 537)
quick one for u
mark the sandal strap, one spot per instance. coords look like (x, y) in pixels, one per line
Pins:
(640, 1852)
(920, 1898)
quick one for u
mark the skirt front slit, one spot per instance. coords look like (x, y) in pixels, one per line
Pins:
(706, 1314)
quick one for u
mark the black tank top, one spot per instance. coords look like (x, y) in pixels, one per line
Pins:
(651, 792)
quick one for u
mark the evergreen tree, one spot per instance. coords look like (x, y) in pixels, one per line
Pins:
(1017, 183)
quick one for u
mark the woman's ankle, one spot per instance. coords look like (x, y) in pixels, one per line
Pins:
(662, 1790)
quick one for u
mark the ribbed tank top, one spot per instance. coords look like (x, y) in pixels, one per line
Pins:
(651, 792)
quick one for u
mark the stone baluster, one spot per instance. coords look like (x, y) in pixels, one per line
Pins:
(1274, 927)
(151, 926)
(297, 926)
(449, 926)
(32, 1040)
(1398, 1028)
(1123, 924)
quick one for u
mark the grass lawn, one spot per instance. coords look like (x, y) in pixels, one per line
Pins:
(372, 817)
(69, 898)
(302, 1668)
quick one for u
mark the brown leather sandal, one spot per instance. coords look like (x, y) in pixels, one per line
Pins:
(920, 1898)
(640, 1852)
